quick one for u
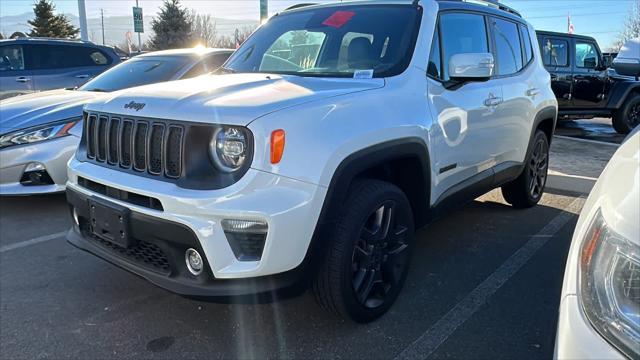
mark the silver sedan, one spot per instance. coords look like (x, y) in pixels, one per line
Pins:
(40, 132)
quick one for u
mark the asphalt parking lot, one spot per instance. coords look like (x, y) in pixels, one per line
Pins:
(484, 284)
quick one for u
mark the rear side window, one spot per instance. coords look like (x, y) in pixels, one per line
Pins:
(527, 47)
(555, 52)
(508, 52)
(66, 56)
(11, 58)
(461, 33)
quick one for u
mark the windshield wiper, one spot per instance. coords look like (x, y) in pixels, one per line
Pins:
(225, 70)
(97, 90)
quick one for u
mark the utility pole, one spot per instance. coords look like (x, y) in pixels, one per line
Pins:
(82, 13)
(102, 19)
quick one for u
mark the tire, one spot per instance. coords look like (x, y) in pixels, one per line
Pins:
(527, 189)
(365, 263)
(628, 116)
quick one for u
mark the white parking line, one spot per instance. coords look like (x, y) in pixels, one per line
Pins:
(587, 140)
(30, 242)
(437, 334)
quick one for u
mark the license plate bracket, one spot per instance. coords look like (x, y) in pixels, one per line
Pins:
(110, 222)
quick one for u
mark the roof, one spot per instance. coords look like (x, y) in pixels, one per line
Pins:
(486, 6)
(45, 40)
(185, 52)
(565, 35)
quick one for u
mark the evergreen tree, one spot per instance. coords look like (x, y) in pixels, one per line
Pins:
(47, 24)
(172, 28)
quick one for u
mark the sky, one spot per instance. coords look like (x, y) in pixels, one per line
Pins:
(602, 19)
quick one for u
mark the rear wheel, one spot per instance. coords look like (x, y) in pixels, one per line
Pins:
(628, 116)
(368, 252)
(526, 191)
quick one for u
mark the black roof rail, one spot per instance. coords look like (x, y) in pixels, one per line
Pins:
(296, 6)
(492, 3)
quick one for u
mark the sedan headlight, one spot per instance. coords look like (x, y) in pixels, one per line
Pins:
(229, 148)
(38, 133)
(610, 285)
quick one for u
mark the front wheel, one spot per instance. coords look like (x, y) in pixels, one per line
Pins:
(526, 190)
(367, 252)
(628, 116)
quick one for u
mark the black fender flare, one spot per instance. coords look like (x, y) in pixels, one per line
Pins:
(353, 165)
(367, 158)
(620, 93)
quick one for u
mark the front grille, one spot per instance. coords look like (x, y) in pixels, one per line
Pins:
(150, 146)
(145, 254)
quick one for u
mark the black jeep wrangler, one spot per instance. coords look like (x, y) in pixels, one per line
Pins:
(582, 84)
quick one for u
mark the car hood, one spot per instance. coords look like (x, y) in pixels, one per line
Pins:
(25, 111)
(233, 99)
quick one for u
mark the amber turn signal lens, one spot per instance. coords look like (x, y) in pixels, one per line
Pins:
(277, 145)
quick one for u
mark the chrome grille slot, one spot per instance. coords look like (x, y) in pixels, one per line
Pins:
(174, 151)
(112, 141)
(101, 135)
(140, 146)
(156, 140)
(125, 143)
(91, 136)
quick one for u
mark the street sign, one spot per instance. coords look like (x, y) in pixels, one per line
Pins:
(138, 24)
(264, 10)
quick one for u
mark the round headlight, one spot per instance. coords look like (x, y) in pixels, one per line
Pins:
(228, 149)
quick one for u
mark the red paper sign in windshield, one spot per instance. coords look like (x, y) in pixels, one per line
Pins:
(338, 18)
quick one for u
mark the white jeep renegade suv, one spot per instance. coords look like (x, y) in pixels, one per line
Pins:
(326, 139)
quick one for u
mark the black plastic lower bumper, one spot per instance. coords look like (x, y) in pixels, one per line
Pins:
(158, 255)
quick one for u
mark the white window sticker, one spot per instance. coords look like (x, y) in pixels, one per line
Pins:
(363, 74)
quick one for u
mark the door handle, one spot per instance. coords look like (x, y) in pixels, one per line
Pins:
(23, 79)
(533, 92)
(493, 101)
(566, 96)
(83, 76)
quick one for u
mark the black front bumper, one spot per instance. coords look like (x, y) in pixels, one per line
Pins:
(158, 255)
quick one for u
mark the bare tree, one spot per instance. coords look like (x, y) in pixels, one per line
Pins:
(204, 29)
(631, 26)
(230, 42)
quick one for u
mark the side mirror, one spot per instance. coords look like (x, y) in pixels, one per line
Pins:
(590, 63)
(471, 67)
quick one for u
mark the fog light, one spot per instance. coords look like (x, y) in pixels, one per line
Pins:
(35, 174)
(194, 261)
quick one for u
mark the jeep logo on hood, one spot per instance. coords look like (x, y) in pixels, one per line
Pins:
(135, 106)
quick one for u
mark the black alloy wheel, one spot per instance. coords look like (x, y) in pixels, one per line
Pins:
(380, 256)
(538, 167)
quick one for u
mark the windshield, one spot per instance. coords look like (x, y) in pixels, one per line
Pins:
(342, 41)
(136, 72)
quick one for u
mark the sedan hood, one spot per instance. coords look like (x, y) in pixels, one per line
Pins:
(25, 111)
(233, 99)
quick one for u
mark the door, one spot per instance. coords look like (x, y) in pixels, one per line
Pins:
(555, 56)
(463, 137)
(15, 79)
(513, 118)
(65, 66)
(589, 76)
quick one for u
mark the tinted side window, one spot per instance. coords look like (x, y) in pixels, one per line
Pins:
(586, 55)
(461, 33)
(197, 70)
(555, 52)
(508, 51)
(526, 44)
(66, 56)
(11, 58)
(435, 63)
